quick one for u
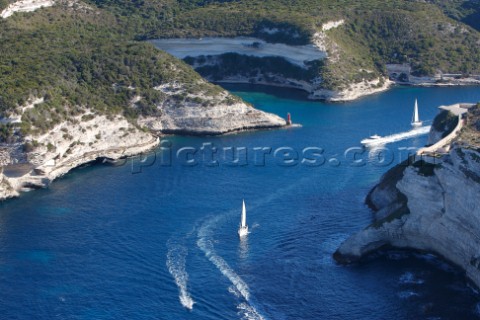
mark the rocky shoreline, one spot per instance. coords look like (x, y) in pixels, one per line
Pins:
(66, 147)
(25, 6)
(90, 136)
(428, 203)
(209, 64)
(211, 120)
(353, 92)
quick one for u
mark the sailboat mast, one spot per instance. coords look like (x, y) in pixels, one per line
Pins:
(244, 215)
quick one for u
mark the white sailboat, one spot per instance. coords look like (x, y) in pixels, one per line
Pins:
(243, 228)
(415, 119)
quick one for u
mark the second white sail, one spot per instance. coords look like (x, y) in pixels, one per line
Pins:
(243, 229)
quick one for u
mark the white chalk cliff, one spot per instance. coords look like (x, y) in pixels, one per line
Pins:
(90, 136)
(206, 52)
(200, 114)
(25, 6)
(430, 205)
(71, 143)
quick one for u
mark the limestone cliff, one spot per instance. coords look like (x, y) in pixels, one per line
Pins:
(25, 6)
(429, 204)
(319, 67)
(38, 158)
(202, 114)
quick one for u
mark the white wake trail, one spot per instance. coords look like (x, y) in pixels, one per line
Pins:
(239, 288)
(205, 243)
(249, 312)
(396, 137)
(176, 259)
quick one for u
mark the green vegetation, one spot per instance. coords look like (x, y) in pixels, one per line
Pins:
(75, 59)
(470, 134)
(4, 4)
(430, 36)
(467, 11)
(445, 122)
(91, 56)
(7, 133)
(424, 38)
(376, 32)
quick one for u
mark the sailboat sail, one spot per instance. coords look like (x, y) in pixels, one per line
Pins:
(243, 229)
(244, 215)
(415, 118)
(415, 112)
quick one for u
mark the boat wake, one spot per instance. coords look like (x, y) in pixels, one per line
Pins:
(205, 243)
(248, 309)
(248, 312)
(373, 142)
(240, 288)
(176, 258)
(407, 294)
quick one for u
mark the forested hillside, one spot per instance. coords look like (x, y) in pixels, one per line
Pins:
(466, 11)
(91, 53)
(81, 57)
(433, 36)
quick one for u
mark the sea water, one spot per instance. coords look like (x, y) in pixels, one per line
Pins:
(158, 239)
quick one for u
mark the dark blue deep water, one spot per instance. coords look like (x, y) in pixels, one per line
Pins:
(103, 243)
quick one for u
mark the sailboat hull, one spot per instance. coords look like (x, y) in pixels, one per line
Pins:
(417, 124)
(242, 231)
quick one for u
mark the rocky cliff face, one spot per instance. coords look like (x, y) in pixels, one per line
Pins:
(201, 114)
(41, 158)
(6, 190)
(211, 120)
(251, 60)
(353, 91)
(431, 205)
(25, 6)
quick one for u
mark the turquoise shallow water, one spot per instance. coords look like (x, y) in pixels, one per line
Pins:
(103, 243)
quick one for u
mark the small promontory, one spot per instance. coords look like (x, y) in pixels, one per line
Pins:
(77, 86)
(430, 202)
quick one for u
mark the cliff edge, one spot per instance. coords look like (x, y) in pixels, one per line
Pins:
(69, 97)
(429, 203)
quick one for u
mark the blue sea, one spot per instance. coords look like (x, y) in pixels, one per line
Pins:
(156, 238)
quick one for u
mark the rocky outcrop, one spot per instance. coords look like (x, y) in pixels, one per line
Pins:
(427, 204)
(200, 114)
(41, 158)
(6, 190)
(211, 120)
(25, 6)
(252, 60)
(353, 91)
(75, 141)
